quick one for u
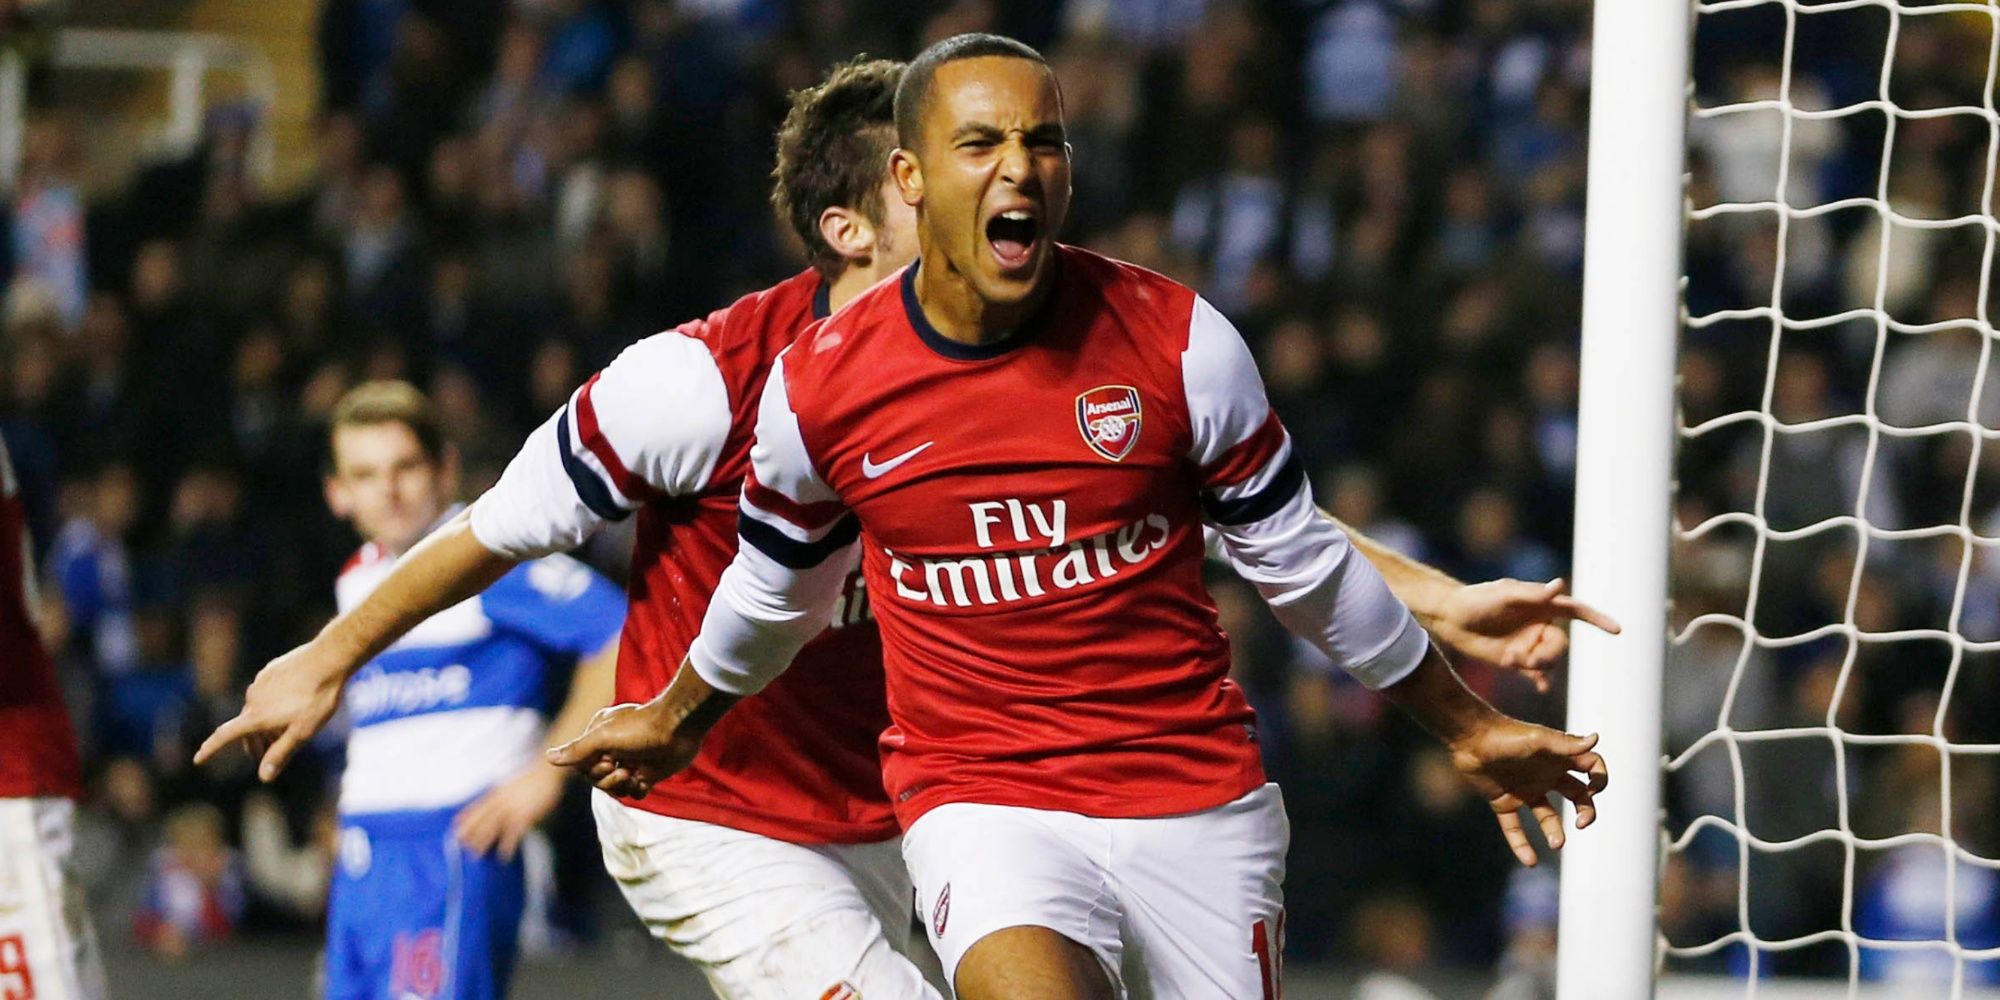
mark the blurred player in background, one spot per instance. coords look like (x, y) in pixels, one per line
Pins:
(1028, 439)
(443, 780)
(47, 949)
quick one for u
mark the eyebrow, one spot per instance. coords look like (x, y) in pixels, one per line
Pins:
(1045, 132)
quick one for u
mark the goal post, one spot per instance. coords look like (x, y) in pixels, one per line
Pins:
(1827, 705)
(1625, 448)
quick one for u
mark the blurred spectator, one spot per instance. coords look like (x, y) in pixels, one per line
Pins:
(194, 889)
(295, 875)
(1351, 66)
(1392, 940)
(47, 231)
(1528, 970)
(93, 571)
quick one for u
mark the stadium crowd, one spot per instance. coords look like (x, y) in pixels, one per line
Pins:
(1386, 196)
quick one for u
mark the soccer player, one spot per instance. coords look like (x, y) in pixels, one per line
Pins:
(1026, 440)
(47, 949)
(443, 779)
(772, 863)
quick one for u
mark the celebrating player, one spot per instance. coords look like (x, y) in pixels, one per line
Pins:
(428, 891)
(1026, 439)
(46, 946)
(772, 863)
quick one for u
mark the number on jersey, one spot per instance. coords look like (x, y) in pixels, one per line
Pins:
(16, 982)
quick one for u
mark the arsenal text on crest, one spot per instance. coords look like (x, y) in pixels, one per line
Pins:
(1108, 417)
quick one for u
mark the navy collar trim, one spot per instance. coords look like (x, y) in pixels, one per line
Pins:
(823, 299)
(959, 350)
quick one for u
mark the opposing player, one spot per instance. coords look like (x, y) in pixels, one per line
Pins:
(773, 862)
(443, 779)
(47, 949)
(1026, 439)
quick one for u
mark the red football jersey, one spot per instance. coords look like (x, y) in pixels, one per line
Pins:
(1030, 513)
(665, 431)
(38, 755)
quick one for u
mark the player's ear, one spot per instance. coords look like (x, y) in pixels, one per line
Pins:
(908, 175)
(847, 232)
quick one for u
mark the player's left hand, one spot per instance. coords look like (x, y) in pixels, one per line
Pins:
(1514, 625)
(497, 822)
(628, 748)
(1513, 764)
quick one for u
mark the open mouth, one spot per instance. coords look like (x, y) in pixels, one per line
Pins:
(1012, 236)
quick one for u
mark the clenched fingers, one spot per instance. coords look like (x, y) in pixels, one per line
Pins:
(1591, 765)
(478, 827)
(1579, 795)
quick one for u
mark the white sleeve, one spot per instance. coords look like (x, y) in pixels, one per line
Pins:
(652, 423)
(798, 545)
(1256, 498)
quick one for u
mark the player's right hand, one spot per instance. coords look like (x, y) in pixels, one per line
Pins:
(1514, 764)
(629, 748)
(288, 703)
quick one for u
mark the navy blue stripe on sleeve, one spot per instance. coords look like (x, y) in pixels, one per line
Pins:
(1253, 507)
(791, 553)
(590, 489)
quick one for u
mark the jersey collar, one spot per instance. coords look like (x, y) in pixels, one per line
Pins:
(961, 351)
(823, 299)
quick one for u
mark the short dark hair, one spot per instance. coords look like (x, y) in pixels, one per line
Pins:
(389, 401)
(833, 150)
(913, 95)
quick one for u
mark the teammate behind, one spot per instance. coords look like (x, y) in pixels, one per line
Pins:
(47, 949)
(773, 862)
(442, 777)
(1028, 439)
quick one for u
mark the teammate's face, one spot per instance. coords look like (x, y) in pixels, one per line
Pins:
(991, 174)
(384, 483)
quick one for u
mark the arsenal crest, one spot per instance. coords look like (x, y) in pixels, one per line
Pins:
(1108, 416)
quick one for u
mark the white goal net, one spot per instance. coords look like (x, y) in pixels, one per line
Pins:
(1832, 690)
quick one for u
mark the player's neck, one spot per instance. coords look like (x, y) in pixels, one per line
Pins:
(956, 310)
(853, 280)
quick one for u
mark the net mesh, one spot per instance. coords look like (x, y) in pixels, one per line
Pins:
(1828, 791)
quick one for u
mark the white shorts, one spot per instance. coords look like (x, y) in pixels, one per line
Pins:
(1174, 907)
(47, 949)
(764, 919)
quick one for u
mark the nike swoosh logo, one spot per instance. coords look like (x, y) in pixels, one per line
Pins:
(873, 470)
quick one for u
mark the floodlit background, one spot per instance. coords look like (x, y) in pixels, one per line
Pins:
(222, 213)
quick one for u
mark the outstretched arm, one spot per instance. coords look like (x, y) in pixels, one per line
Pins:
(1510, 763)
(1259, 503)
(1505, 624)
(295, 694)
(652, 423)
